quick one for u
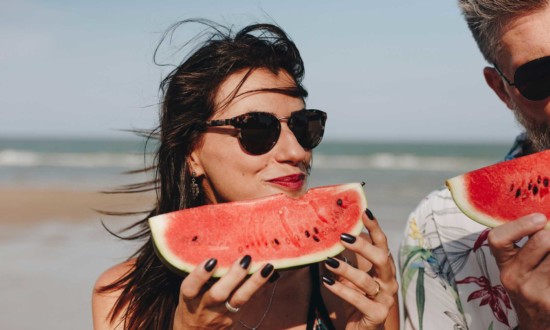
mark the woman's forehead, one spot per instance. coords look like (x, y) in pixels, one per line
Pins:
(238, 85)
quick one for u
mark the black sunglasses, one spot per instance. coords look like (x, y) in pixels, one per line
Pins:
(260, 131)
(532, 79)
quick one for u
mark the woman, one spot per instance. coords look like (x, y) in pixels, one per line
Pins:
(233, 126)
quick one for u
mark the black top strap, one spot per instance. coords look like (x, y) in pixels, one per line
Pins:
(317, 309)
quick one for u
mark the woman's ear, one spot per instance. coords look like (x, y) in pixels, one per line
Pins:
(195, 164)
(497, 84)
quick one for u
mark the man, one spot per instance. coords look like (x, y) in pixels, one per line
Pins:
(457, 274)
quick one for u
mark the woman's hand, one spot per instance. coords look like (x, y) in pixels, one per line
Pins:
(371, 287)
(208, 307)
(525, 271)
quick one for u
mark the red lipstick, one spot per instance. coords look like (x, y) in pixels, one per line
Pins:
(292, 182)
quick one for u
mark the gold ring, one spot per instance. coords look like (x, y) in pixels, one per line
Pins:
(231, 308)
(377, 290)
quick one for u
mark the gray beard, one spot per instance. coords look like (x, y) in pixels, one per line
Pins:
(538, 134)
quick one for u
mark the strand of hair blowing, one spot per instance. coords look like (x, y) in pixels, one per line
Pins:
(149, 291)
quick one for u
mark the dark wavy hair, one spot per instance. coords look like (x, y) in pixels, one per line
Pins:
(149, 290)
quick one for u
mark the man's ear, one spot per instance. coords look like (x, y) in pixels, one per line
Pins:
(497, 84)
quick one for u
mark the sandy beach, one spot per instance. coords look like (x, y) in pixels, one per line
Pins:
(28, 206)
(52, 248)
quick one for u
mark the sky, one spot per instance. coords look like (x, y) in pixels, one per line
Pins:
(383, 70)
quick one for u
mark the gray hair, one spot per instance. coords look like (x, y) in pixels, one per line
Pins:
(486, 18)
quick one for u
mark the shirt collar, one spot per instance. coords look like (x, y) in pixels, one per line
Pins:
(521, 147)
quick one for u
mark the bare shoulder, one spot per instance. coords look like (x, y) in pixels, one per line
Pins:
(112, 274)
(102, 302)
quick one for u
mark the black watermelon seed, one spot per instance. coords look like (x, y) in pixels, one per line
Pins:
(518, 193)
(535, 190)
(545, 183)
(195, 238)
(316, 239)
(538, 179)
(339, 202)
(276, 241)
(315, 230)
(529, 186)
(307, 234)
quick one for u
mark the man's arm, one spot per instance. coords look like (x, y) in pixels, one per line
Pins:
(525, 271)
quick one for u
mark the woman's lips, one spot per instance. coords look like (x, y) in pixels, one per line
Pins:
(293, 182)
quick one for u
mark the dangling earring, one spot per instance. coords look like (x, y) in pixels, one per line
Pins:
(195, 190)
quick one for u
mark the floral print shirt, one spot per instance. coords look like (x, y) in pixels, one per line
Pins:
(449, 279)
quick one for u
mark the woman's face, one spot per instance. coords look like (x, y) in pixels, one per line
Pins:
(231, 174)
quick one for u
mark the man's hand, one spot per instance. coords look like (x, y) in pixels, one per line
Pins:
(525, 271)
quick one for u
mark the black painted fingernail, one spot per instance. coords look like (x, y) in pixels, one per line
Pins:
(369, 214)
(210, 264)
(363, 183)
(348, 238)
(274, 277)
(245, 262)
(328, 280)
(266, 270)
(332, 262)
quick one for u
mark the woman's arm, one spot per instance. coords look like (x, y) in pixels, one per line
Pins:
(393, 321)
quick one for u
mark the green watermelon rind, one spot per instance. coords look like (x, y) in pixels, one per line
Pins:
(158, 225)
(458, 187)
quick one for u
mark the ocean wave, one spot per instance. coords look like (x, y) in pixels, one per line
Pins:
(400, 162)
(377, 161)
(19, 158)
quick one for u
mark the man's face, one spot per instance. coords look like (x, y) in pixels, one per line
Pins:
(524, 39)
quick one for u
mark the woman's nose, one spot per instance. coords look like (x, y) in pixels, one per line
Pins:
(288, 148)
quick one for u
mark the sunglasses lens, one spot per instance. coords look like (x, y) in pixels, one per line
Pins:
(259, 132)
(533, 79)
(308, 126)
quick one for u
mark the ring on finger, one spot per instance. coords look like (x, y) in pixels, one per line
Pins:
(372, 296)
(231, 308)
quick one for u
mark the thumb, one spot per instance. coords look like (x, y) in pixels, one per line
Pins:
(502, 238)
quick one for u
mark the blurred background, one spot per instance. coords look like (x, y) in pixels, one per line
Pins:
(401, 81)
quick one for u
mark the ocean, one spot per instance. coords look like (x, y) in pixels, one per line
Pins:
(99, 162)
(48, 268)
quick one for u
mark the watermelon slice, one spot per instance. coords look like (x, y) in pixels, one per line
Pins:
(505, 191)
(284, 231)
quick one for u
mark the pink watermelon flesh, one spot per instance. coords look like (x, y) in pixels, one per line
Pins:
(283, 231)
(505, 191)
